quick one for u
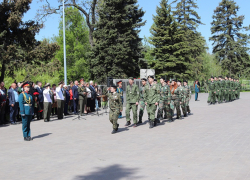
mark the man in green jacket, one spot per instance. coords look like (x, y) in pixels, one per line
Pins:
(82, 97)
(132, 99)
(142, 99)
(152, 97)
(211, 97)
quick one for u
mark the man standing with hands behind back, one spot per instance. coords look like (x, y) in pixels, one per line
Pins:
(132, 96)
(13, 102)
(75, 96)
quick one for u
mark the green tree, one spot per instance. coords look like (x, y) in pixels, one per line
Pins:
(18, 45)
(171, 58)
(118, 47)
(77, 45)
(229, 41)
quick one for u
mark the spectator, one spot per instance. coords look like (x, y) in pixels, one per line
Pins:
(47, 103)
(71, 105)
(3, 92)
(75, 96)
(66, 101)
(60, 100)
(13, 103)
(39, 101)
(89, 95)
(97, 100)
(197, 90)
(54, 105)
(93, 96)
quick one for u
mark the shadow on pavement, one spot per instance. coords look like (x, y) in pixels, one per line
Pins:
(114, 172)
(41, 135)
(4, 125)
(122, 129)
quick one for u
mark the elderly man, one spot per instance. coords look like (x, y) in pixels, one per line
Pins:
(60, 100)
(13, 103)
(47, 103)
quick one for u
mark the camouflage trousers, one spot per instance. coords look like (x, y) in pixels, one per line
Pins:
(141, 111)
(211, 97)
(113, 117)
(151, 108)
(134, 108)
(164, 106)
(187, 106)
(177, 107)
(218, 95)
(184, 107)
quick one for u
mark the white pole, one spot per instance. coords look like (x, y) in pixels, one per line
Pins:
(64, 49)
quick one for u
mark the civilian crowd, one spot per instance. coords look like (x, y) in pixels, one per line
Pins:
(55, 100)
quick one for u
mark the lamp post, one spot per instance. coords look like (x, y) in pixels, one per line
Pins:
(64, 48)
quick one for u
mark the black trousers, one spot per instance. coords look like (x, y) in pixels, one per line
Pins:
(75, 105)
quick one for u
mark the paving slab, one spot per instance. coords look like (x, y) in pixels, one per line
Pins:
(213, 143)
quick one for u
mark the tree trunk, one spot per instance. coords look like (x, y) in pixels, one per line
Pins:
(91, 41)
(2, 72)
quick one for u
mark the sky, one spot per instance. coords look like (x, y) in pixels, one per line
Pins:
(205, 11)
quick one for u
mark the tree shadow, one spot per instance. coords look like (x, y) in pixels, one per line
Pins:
(4, 125)
(41, 135)
(114, 172)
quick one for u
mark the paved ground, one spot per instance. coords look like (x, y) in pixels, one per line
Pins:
(213, 143)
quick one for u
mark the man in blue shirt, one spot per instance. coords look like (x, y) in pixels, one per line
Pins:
(13, 103)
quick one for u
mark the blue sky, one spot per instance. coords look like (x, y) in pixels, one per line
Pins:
(205, 11)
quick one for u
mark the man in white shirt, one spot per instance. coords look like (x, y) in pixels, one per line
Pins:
(60, 100)
(47, 103)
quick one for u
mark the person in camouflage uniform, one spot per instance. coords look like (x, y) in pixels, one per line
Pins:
(183, 98)
(238, 89)
(211, 97)
(217, 89)
(132, 99)
(82, 97)
(115, 106)
(142, 99)
(188, 96)
(152, 98)
(233, 89)
(227, 89)
(165, 98)
(222, 89)
(176, 97)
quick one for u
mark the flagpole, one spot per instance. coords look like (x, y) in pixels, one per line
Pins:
(64, 49)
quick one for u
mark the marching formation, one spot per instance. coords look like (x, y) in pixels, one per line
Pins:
(167, 96)
(223, 89)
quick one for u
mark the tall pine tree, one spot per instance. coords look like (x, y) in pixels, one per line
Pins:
(171, 57)
(194, 43)
(229, 41)
(118, 47)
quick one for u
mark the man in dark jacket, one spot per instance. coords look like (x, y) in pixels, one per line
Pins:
(66, 100)
(39, 101)
(13, 103)
(75, 96)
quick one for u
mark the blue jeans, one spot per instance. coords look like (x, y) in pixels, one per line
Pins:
(196, 96)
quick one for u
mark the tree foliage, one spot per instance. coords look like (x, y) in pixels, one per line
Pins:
(118, 47)
(230, 44)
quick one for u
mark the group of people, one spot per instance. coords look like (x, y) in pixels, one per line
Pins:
(223, 89)
(166, 96)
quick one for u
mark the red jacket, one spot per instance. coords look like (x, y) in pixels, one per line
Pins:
(71, 94)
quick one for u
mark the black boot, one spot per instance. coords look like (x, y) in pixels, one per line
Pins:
(117, 127)
(128, 123)
(140, 121)
(113, 132)
(157, 120)
(155, 123)
(30, 138)
(26, 139)
(151, 124)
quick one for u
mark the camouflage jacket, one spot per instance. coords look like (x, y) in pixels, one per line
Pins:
(211, 86)
(142, 92)
(217, 85)
(82, 92)
(115, 100)
(188, 93)
(227, 82)
(152, 94)
(132, 94)
(165, 93)
(177, 94)
(222, 84)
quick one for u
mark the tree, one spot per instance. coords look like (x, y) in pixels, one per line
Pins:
(171, 57)
(17, 38)
(88, 8)
(77, 45)
(118, 47)
(229, 42)
(189, 20)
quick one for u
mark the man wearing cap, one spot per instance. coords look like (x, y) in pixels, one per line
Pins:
(47, 103)
(26, 104)
(152, 98)
(188, 96)
(211, 97)
(165, 98)
(60, 100)
(120, 91)
(132, 99)
(82, 97)
(142, 99)
(115, 105)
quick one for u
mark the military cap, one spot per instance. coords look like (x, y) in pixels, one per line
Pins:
(131, 78)
(61, 82)
(144, 79)
(46, 85)
(114, 87)
(173, 80)
(151, 76)
(119, 82)
(185, 81)
(178, 81)
(26, 84)
(155, 80)
(81, 79)
(212, 77)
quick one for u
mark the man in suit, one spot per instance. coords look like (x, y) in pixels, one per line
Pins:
(93, 96)
(75, 96)
(40, 101)
(13, 103)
